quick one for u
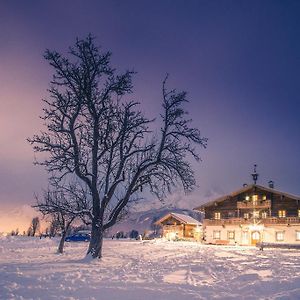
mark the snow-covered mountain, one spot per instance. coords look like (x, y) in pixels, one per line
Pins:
(143, 221)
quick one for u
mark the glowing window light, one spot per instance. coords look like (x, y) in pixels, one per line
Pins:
(281, 213)
(217, 215)
(279, 236)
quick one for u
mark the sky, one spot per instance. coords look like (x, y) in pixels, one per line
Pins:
(239, 61)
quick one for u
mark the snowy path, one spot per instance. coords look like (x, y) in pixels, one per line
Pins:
(131, 270)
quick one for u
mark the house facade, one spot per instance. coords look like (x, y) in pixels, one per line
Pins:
(251, 215)
(179, 226)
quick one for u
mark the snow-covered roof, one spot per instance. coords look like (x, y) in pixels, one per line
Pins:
(180, 217)
(245, 189)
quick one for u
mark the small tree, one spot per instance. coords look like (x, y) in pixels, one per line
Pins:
(108, 144)
(34, 226)
(64, 205)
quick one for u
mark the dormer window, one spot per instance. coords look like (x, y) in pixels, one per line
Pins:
(217, 215)
(281, 213)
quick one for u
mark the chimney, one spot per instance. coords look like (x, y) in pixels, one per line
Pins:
(271, 184)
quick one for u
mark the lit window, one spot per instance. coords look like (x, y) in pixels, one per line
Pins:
(279, 236)
(245, 236)
(299, 213)
(264, 214)
(281, 213)
(254, 199)
(256, 214)
(217, 235)
(217, 215)
(230, 235)
(297, 235)
(247, 198)
(246, 215)
(264, 197)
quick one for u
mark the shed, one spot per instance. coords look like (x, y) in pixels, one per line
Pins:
(179, 226)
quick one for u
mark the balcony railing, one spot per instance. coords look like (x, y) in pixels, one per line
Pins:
(241, 221)
(276, 220)
(254, 204)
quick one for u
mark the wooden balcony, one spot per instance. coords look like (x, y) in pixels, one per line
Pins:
(262, 221)
(220, 222)
(276, 220)
(254, 205)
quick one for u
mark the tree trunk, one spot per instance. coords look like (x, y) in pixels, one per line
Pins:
(62, 242)
(95, 246)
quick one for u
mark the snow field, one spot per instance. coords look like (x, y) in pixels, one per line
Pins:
(134, 270)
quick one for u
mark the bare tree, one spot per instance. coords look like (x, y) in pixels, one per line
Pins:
(34, 226)
(64, 205)
(106, 142)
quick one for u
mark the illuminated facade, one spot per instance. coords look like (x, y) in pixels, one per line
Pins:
(251, 215)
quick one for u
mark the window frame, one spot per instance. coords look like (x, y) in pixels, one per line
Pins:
(229, 232)
(276, 236)
(215, 233)
(264, 215)
(281, 213)
(217, 215)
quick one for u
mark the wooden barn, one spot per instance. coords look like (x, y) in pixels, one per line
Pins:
(179, 226)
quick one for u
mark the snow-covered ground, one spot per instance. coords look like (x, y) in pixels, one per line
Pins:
(133, 270)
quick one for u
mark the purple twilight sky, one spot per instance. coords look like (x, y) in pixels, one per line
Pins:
(238, 60)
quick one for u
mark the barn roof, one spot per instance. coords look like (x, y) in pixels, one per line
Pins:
(185, 219)
(243, 190)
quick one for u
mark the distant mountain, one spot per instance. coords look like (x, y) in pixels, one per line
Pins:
(143, 221)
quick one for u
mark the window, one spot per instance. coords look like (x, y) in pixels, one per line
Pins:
(264, 197)
(254, 199)
(281, 213)
(246, 215)
(297, 235)
(217, 215)
(264, 214)
(299, 213)
(230, 235)
(247, 198)
(256, 214)
(217, 235)
(279, 236)
(245, 236)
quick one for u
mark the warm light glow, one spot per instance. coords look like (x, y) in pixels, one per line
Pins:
(263, 214)
(171, 236)
(197, 229)
(281, 213)
(247, 198)
(256, 227)
(217, 215)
